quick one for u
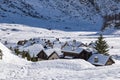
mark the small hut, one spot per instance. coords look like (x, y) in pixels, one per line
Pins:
(100, 60)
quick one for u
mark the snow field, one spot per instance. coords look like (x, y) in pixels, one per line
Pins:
(15, 68)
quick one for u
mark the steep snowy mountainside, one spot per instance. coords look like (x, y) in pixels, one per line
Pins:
(54, 14)
(106, 7)
(48, 8)
(58, 14)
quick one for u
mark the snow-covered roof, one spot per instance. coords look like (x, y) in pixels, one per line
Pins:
(58, 45)
(34, 49)
(91, 45)
(87, 49)
(102, 59)
(72, 49)
(50, 51)
(74, 43)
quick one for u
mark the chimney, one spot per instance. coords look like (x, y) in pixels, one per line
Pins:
(73, 48)
(74, 42)
(96, 59)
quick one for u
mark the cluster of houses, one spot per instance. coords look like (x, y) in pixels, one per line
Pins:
(50, 50)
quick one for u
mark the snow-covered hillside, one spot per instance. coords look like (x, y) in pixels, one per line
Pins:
(54, 14)
(83, 15)
(15, 68)
(9, 57)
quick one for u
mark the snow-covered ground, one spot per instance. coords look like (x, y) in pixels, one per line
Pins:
(16, 68)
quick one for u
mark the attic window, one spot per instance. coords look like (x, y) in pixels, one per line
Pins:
(96, 59)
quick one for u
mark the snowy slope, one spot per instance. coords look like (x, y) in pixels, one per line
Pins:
(9, 57)
(37, 71)
(59, 70)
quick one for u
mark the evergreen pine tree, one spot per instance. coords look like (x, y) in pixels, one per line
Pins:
(33, 59)
(10, 48)
(17, 51)
(0, 51)
(28, 56)
(1, 54)
(23, 54)
(101, 46)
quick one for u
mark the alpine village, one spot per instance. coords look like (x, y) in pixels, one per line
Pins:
(38, 49)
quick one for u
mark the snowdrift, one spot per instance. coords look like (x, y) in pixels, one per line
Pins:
(76, 64)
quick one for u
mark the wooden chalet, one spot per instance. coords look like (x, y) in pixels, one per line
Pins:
(100, 60)
(42, 55)
(39, 53)
(74, 52)
(53, 55)
(47, 55)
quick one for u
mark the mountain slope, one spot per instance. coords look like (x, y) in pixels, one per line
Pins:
(58, 14)
(53, 14)
(47, 9)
